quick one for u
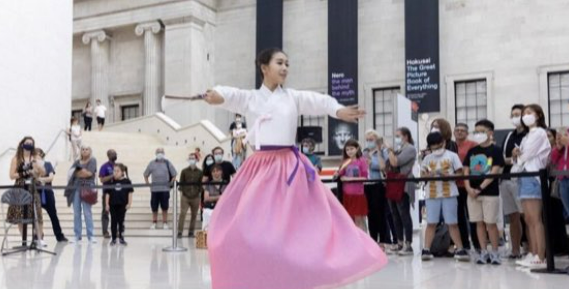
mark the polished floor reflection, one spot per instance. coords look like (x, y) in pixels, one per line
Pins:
(143, 264)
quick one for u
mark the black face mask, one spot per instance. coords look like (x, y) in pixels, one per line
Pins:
(28, 147)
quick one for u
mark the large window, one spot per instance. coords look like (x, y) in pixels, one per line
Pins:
(470, 99)
(558, 86)
(130, 111)
(383, 107)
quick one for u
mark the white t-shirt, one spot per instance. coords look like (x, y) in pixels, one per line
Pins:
(447, 163)
(75, 132)
(100, 111)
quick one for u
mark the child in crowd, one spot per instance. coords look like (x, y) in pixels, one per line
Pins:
(441, 195)
(484, 194)
(118, 201)
(354, 167)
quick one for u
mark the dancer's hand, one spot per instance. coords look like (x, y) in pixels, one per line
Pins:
(213, 97)
(350, 113)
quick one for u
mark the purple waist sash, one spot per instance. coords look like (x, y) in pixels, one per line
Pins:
(307, 166)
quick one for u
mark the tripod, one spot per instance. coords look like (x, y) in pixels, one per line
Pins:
(35, 224)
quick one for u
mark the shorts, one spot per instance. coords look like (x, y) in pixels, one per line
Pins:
(448, 206)
(484, 208)
(530, 188)
(161, 199)
(510, 199)
(101, 120)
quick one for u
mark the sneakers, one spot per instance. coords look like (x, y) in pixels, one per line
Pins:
(426, 255)
(191, 235)
(525, 261)
(113, 242)
(537, 264)
(406, 251)
(515, 257)
(106, 235)
(462, 255)
(394, 249)
(495, 258)
(483, 258)
(62, 240)
(179, 234)
(123, 242)
(153, 227)
(93, 241)
(165, 227)
(76, 241)
(41, 243)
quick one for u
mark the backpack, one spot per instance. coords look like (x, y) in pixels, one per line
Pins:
(441, 241)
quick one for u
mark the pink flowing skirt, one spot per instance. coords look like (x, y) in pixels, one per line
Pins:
(265, 234)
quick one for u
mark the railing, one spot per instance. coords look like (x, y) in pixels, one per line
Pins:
(543, 175)
(53, 143)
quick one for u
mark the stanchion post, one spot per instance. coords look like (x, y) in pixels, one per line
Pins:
(546, 212)
(175, 247)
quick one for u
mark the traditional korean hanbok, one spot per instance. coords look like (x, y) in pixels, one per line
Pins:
(277, 226)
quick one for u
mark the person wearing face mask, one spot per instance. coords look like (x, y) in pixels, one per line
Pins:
(375, 193)
(484, 194)
(308, 147)
(238, 130)
(106, 174)
(441, 195)
(509, 188)
(191, 194)
(467, 228)
(163, 175)
(47, 195)
(23, 169)
(532, 156)
(228, 168)
(442, 126)
(401, 160)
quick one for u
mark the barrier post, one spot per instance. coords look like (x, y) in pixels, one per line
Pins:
(546, 212)
(174, 247)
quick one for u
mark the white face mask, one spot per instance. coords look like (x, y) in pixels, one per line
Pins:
(239, 125)
(398, 141)
(192, 162)
(516, 121)
(439, 152)
(435, 129)
(159, 156)
(480, 138)
(209, 162)
(529, 119)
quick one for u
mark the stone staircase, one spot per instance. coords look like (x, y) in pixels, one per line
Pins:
(135, 150)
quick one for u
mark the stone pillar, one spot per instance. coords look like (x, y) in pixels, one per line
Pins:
(99, 65)
(187, 67)
(151, 94)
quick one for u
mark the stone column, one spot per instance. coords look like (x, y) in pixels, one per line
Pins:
(99, 65)
(187, 67)
(151, 94)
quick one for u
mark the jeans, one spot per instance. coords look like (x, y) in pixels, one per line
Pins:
(79, 205)
(564, 193)
(51, 210)
(402, 218)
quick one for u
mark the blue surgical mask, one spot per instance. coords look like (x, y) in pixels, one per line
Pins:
(218, 158)
(209, 162)
(370, 144)
(398, 141)
(305, 150)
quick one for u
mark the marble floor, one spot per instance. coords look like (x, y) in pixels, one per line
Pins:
(143, 264)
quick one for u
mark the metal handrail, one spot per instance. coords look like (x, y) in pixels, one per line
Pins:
(6, 151)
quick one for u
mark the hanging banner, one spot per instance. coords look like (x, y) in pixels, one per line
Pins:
(269, 28)
(342, 68)
(422, 54)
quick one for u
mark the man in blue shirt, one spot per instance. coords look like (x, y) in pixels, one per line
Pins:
(106, 176)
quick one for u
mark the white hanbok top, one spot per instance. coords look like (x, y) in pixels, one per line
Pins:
(275, 113)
